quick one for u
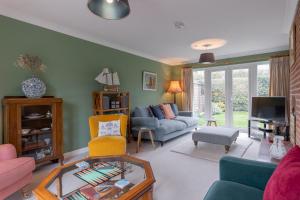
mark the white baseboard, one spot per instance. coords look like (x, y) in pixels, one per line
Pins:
(75, 152)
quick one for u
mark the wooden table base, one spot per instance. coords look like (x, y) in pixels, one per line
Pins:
(144, 130)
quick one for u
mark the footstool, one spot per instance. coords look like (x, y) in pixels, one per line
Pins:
(216, 135)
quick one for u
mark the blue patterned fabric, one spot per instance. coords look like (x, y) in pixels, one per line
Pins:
(174, 108)
(157, 112)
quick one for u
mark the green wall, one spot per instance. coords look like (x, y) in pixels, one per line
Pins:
(72, 66)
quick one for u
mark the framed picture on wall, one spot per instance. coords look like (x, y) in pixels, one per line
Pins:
(149, 81)
(292, 44)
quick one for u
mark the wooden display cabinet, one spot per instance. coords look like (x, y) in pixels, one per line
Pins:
(34, 127)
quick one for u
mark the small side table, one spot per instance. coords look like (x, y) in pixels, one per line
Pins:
(144, 130)
(210, 122)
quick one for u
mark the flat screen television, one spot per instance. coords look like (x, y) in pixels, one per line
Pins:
(268, 108)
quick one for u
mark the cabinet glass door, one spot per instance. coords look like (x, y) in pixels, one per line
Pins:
(36, 131)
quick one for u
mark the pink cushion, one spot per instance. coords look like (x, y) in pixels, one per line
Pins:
(11, 171)
(7, 152)
(284, 184)
(167, 110)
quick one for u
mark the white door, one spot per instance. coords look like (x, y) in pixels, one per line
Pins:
(224, 93)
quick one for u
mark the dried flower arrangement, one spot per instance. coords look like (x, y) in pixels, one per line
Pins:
(31, 63)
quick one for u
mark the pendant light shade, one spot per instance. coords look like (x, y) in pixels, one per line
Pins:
(207, 58)
(109, 9)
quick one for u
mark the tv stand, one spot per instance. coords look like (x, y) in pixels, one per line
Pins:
(266, 127)
(265, 130)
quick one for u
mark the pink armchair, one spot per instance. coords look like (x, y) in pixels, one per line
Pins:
(15, 173)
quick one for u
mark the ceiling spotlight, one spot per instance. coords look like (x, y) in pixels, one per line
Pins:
(109, 9)
(179, 25)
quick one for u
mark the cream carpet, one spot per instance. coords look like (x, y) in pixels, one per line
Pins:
(212, 152)
(177, 176)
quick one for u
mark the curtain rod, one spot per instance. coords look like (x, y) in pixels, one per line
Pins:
(280, 56)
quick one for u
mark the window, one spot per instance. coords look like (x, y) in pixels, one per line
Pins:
(263, 79)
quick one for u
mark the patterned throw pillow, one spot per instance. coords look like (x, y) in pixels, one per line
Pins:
(167, 110)
(110, 128)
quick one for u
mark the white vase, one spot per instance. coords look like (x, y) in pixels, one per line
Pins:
(277, 149)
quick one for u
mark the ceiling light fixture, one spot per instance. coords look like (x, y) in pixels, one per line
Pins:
(207, 58)
(109, 9)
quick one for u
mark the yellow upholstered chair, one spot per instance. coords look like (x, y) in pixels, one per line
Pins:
(107, 145)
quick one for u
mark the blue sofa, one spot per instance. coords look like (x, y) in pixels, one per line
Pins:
(164, 129)
(240, 179)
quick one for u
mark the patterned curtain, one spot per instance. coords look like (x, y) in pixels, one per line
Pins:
(187, 86)
(280, 79)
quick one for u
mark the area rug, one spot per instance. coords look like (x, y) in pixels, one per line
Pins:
(212, 152)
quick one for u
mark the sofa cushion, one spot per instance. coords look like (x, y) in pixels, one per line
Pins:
(189, 121)
(13, 170)
(141, 111)
(227, 190)
(150, 111)
(174, 108)
(169, 126)
(167, 110)
(158, 113)
(284, 183)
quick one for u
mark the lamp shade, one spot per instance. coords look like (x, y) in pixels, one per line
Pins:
(109, 9)
(174, 87)
(207, 58)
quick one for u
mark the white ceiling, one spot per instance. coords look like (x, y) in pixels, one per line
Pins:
(249, 26)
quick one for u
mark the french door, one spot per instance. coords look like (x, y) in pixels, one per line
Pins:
(224, 94)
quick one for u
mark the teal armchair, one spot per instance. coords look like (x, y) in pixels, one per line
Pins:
(240, 179)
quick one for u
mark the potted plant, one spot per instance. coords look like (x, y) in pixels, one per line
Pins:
(32, 87)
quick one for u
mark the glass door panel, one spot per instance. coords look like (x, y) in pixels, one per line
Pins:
(240, 97)
(263, 79)
(218, 96)
(37, 131)
(199, 96)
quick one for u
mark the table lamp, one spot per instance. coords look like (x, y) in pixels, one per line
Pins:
(174, 88)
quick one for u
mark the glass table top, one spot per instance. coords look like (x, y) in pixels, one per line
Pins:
(102, 178)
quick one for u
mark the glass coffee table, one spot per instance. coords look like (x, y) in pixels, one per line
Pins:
(99, 178)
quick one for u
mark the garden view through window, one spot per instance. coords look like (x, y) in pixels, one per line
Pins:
(225, 95)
